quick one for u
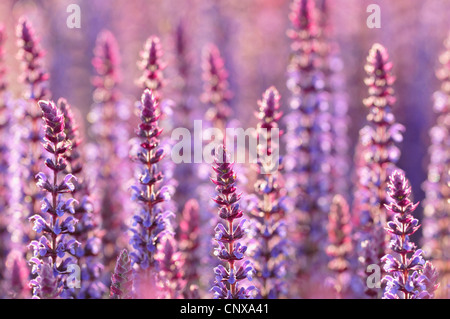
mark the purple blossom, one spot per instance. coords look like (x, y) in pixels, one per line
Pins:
(150, 222)
(405, 269)
(216, 93)
(30, 55)
(106, 63)
(189, 242)
(377, 157)
(340, 244)
(229, 249)
(35, 80)
(86, 230)
(269, 216)
(53, 252)
(170, 263)
(122, 278)
(436, 233)
(308, 140)
(110, 130)
(152, 66)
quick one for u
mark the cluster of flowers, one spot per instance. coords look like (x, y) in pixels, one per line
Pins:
(66, 208)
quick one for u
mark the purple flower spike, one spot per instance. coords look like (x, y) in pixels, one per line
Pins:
(170, 261)
(35, 80)
(377, 156)
(216, 92)
(340, 242)
(87, 229)
(152, 66)
(228, 249)
(30, 54)
(110, 131)
(150, 221)
(190, 242)
(309, 142)
(106, 62)
(269, 216)
(436, 230)
(122, 278)
(55, 248)
(408, 276)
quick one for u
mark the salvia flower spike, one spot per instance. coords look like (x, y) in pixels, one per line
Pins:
(407, 276)
(340, 244)
(53, 251)
(152, 66)
(436, 230)
(150, 222)
(122, 278)
(229, 249)
(308, 140)
(110, 131)
(86, 230)
(379, 155)
(216, 93)
(270, 228)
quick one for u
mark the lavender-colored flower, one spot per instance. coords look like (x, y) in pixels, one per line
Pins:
(270, 229)
(35, 79)
(46, 280)
(122, 278)
(152, 66)
(190, 242)
(378, 154)
(106, 62)
(436, 232)
(86, 230)
(332, 67)
(30, 55)
(108, 118)
(150, 222)
(53, 251)
(308, 141)
(216, 93)
(170, 275)
(405, 268)
(229, 249)
(340, 243)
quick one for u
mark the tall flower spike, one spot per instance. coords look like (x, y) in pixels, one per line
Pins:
(110, 131)
(407, 277)
(216, 93)
(229, 249)
(380, 154)
(332, 66)
(190, 242)
(30, 55)
(86, 230)
(340, 243)
(53, 251)
(150, 222)
(152, 66)
(35, 80)
(106, 62)
(308, 142)
(270, 228)
(436, 224)
(122, 278)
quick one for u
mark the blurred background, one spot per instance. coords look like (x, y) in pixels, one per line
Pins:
(251, 34)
